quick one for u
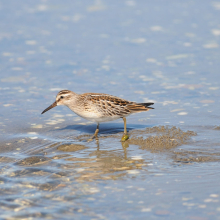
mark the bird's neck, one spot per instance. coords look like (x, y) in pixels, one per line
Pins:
(73, 101)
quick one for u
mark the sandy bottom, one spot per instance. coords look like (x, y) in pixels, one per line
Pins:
(104, 164)
(74, 169)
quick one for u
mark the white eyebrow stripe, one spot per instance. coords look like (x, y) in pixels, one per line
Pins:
(65, 94)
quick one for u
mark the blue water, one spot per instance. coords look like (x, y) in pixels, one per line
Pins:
(165, 52)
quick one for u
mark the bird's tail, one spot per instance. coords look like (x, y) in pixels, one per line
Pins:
(139, 107)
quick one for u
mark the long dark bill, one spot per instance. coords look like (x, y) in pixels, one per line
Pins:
(50, 107)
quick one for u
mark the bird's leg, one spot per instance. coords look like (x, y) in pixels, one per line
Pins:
(125, 126)
(97, 130)
(125, 135)
(95, 134)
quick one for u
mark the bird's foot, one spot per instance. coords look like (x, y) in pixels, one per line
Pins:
(92, 138)
(124, 137)
(95, 136)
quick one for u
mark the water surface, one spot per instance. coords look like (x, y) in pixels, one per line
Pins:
(162, 52)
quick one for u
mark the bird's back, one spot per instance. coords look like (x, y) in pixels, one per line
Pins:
(104, 107)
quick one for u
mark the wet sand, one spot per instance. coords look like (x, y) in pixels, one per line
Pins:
(161, 52)
(67, 168)
(104, 164)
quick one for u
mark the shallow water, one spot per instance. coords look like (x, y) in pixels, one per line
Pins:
(165, 52)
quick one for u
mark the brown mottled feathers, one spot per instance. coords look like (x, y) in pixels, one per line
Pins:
(112, 105)
(139, 107)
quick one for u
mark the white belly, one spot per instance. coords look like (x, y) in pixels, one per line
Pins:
(98, 119)
(96, 116)
(103, 119)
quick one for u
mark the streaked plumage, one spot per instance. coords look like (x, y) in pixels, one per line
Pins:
(98, 107)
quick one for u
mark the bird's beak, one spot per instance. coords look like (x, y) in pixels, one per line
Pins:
(50, 107)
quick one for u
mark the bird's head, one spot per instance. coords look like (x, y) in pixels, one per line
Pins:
(63, 98)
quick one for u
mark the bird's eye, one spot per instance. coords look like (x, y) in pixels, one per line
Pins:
(61, 97)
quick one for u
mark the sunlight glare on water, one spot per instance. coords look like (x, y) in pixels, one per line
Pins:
(143, 51)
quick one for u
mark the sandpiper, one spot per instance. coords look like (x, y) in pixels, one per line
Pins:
(99, 107)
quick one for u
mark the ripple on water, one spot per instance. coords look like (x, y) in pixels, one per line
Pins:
(71, 147)
(32, 161)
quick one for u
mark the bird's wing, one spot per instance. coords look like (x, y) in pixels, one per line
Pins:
(139, 107)
(108, 105)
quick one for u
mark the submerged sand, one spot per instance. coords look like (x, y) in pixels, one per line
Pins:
(108, 164)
